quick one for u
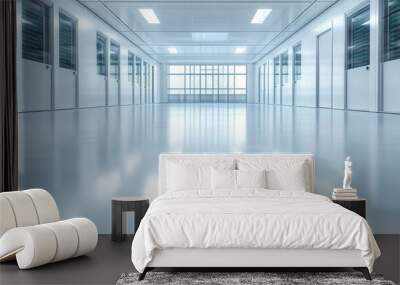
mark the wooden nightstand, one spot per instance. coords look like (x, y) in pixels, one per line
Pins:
(358, 206)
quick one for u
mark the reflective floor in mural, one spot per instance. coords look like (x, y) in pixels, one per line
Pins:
(84, 157)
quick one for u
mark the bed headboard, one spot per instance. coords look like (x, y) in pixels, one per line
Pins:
(213, 158)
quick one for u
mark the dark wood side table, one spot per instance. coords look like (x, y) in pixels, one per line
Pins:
(120, 205)
(358, 206)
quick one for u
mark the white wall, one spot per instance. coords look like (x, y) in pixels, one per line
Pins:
(391, 86)
(335, 19)
(88, 24)
(163, 83)
(252, 84)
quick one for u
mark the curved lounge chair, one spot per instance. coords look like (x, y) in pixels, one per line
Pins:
(32, 233)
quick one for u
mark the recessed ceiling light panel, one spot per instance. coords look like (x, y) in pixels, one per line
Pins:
(240, 50)
(150, 16)
(172, 50)
(260, 16)
(209, 37)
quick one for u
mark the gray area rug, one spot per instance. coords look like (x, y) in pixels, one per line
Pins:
(269, 278)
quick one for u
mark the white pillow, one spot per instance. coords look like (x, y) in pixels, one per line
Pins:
(251, 178)
(291, 178)
(223, 179)
(281, 174)
(187, 177)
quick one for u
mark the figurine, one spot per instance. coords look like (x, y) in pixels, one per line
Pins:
(347, 174)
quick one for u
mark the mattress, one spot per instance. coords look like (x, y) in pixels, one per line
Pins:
(250, 219)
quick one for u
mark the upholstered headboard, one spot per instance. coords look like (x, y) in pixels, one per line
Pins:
(213, 159)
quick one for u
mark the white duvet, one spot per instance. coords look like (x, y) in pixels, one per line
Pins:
(250, 218)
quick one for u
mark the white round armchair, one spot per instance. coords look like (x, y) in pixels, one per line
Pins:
(31, 230)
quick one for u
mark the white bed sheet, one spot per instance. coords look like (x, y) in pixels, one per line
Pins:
(250, 218)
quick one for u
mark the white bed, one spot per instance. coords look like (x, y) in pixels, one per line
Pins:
(193, 223)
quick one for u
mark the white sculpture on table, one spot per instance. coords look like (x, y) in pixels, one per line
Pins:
(347, 174)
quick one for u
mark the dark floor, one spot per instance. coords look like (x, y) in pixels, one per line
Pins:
(103, 266)
(110, 260)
